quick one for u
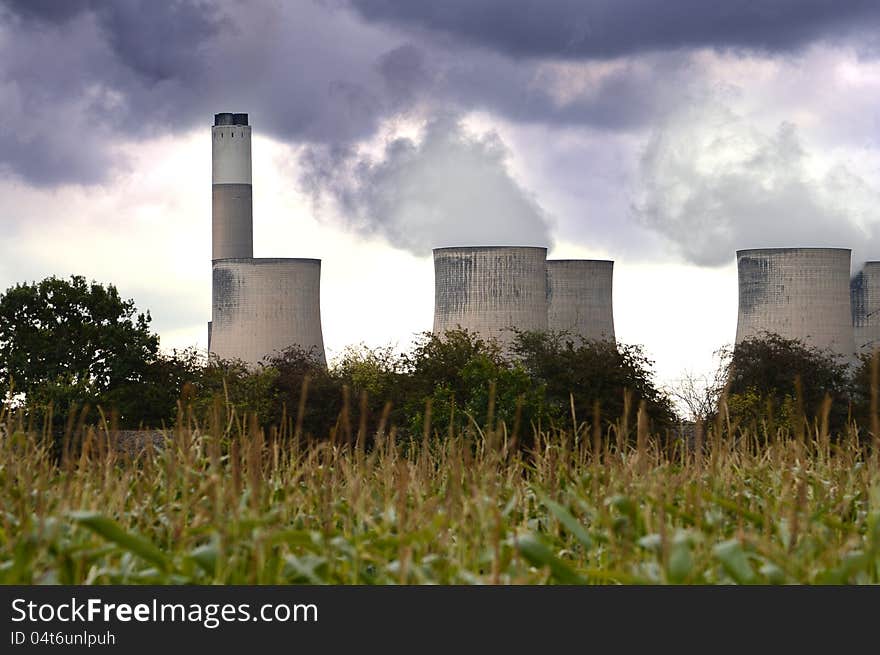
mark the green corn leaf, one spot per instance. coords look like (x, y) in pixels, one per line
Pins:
(539, 555)
(206, 558)
(734, 561)
(681, 561)
(568, 521)
(112, 531)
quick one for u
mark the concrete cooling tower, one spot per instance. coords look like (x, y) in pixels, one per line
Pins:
(265, 305)
(865, 297)
(579, 297)
(798, 293)
(258, 306)
(490, 289)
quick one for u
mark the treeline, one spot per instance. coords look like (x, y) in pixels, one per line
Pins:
(455, 382)
(72, 351)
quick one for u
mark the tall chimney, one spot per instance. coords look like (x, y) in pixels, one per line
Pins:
(232, 199)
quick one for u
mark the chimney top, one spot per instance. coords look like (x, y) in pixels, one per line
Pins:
(228, 118)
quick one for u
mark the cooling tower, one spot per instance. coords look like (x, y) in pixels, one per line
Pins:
(865, 298)
(798, 293)
(489, 289)
(260, 306)
(232, 224)
(579, 297)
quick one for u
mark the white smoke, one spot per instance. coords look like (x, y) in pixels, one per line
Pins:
(713, 183)
(447, 188)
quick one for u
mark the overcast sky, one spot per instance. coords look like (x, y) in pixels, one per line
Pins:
(662, 134)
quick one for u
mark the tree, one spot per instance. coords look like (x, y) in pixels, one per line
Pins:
(864, 394)
(69, 341)
(295, 369)
(779, 381)
(373, 379)
(589, 372)
(458, 371)
(152, 399)
(699, 395)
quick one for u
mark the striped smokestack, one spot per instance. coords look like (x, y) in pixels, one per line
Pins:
(232, 206)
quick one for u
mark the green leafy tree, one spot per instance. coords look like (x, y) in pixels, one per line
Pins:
(586, 372)
(153, 399)
(372, 378)
(779, 381)
(291, 368)
(71, 342)
(238, 386)
(457, 372)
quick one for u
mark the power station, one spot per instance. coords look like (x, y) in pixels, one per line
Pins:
(491, 290)
(258, 306)
(797, 293)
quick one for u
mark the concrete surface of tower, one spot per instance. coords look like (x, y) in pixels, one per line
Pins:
(798, 293)
(865, 298)
(258, 306)
(579, 297)
(490, 289)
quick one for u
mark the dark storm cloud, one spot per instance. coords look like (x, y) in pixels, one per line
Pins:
(156, 41)
(306, 72)
(76, 78)
(614, 28)
(404, 71)
(311, 72)
(627, 96)
(53, 11)
(160, 42)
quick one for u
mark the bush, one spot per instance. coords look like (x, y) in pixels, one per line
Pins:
(69, 344)
(458, 372)
(293, 369)
(781, 381)
(585, 372)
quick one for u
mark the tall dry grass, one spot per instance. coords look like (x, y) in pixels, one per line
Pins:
(225, 502)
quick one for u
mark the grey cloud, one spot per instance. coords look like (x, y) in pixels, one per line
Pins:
(575, 29)
(75, 79)
(625, 97)
(49, 134)
(308, 72)
(449, 188)
(155, 41)
(160, 44)
(52, 11)
(74, 82)
(404, 71)
(713, 184)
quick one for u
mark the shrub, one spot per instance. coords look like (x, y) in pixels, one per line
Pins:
(583, 372)
(783, 381)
